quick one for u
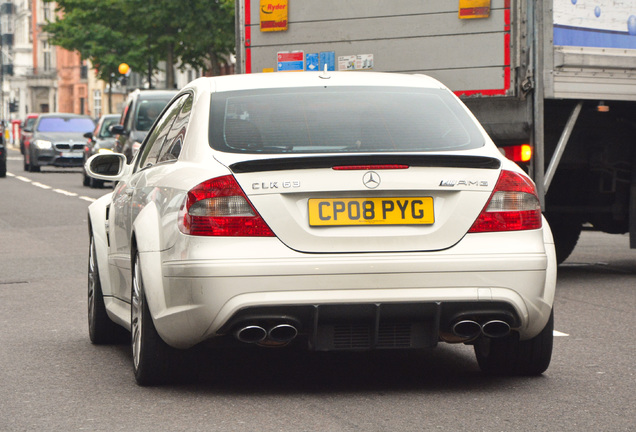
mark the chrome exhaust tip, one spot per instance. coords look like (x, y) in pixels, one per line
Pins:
(251, 334)
(466, 329)
(495, 329)
(282, 333)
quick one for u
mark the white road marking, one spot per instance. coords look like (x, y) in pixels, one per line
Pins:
(47, 187)
(63, 192)
(559, 334)
(40, 185)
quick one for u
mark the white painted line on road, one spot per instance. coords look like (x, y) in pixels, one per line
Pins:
(40, 185)
(559, 334)
(47, 187)
(63, 192)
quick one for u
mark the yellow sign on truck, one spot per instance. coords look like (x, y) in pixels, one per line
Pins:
(274, 16)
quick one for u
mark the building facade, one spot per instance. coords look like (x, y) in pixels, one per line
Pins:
(37, 76)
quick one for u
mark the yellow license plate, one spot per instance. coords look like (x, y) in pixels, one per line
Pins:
(371, 211)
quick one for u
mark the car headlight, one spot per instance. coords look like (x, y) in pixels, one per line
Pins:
(43, 144)
(104, 150)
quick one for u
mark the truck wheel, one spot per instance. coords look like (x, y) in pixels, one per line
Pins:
(510, 356)
(152, 357)
(566, 233)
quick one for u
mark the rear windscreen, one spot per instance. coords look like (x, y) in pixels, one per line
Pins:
(340, 119)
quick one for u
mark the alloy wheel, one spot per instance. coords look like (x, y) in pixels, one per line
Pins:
(136, 310)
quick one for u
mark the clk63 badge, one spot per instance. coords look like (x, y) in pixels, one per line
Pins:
(276, 185)
(371, 211)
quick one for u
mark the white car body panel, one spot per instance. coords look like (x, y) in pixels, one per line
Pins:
(195, 285)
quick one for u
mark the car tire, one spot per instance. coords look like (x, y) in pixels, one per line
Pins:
(152, 357)
(566, 233)
(101, 329)
(26, 165)
(510, 356)
(32, 167)
(86, 180)
(3, 168)
(95, 184)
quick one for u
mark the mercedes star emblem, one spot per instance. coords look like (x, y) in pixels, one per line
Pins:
(371, 179)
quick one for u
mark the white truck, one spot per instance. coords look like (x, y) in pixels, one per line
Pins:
(556, 77)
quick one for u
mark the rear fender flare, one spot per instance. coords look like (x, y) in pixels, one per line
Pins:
(147, 238)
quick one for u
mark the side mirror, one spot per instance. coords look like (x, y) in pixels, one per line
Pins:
(116, 129)
(106, 166)
(88, 135)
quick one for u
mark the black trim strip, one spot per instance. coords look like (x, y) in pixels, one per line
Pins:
(304, 162)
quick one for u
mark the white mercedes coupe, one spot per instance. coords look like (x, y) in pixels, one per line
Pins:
(326, 210)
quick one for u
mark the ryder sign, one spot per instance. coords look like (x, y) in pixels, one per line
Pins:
(274, 15)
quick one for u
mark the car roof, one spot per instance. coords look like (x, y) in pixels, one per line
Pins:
(314, 79)
(152, 94)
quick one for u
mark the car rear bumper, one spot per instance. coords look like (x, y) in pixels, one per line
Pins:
(202, 298)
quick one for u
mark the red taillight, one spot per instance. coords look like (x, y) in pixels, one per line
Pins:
(219, 207)
(513, 206)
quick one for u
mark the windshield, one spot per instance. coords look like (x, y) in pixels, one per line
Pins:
(341, 119)
(65, 124)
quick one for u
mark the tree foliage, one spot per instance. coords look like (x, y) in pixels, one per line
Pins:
(141, 33)
(94, 29)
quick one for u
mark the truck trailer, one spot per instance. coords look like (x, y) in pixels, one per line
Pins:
(552, 81)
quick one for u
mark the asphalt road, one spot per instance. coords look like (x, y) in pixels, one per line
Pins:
(53, 379)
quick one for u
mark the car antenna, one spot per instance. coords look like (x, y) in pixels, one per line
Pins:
(325, 74)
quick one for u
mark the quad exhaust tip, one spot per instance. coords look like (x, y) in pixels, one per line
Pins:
(495, 329)
(469, 329)
(282, 333)
(251, 334)
(278, 334)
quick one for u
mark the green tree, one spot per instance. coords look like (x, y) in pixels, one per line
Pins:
(207, 36)
(199, 33)
(94, 29)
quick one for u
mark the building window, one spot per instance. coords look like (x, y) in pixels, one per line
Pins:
(97, 103)
(46, 52)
